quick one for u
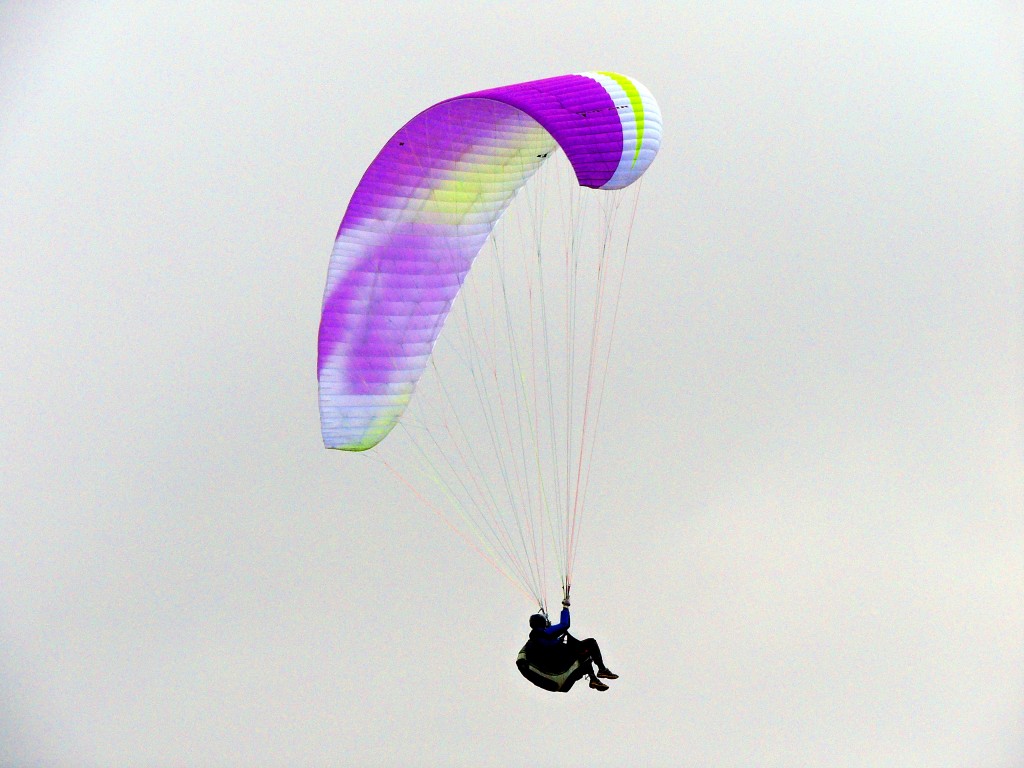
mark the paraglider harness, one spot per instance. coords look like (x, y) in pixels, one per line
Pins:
(553, 668)
(551, 675)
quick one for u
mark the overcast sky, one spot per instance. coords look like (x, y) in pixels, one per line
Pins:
(807, 546)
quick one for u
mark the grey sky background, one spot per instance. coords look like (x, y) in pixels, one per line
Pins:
(805, 545)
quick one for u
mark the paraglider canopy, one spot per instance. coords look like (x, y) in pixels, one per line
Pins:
(424, 209)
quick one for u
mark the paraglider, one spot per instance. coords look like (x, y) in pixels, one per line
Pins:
(554, 660)
(516, 468)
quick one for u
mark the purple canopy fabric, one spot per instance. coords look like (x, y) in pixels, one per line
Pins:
(424, 209)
